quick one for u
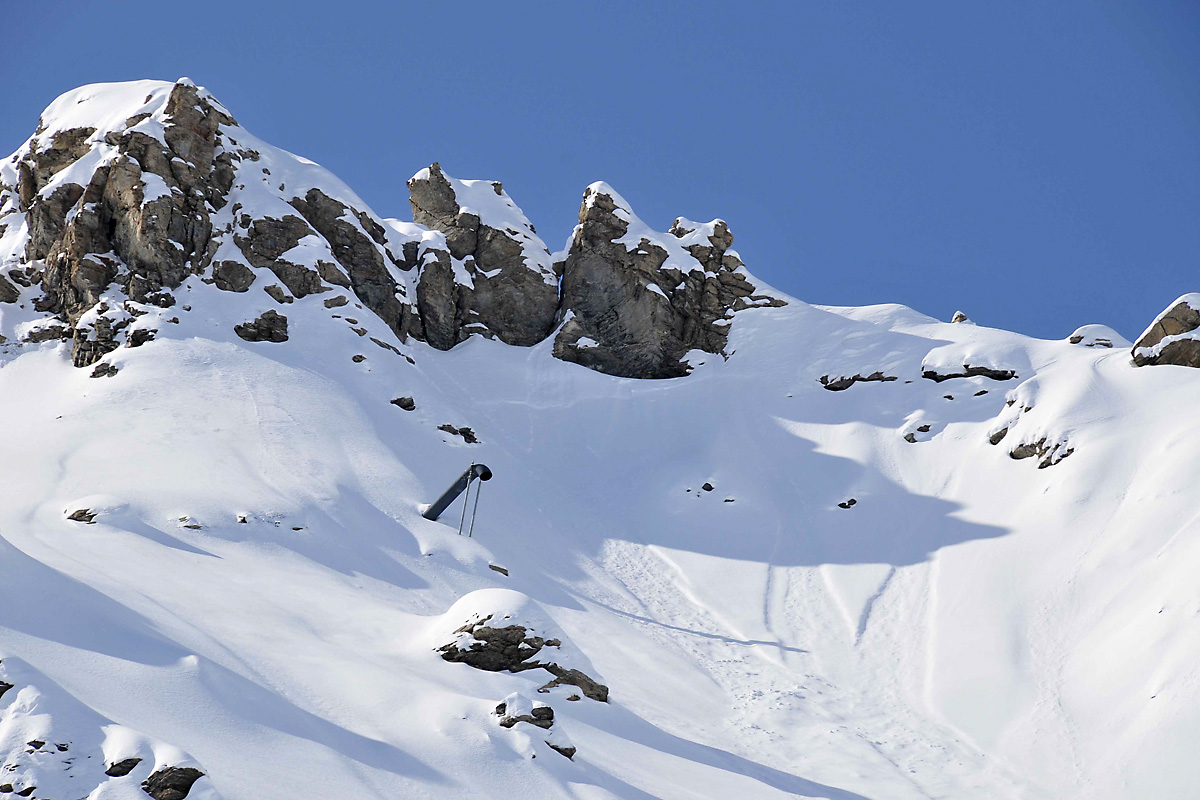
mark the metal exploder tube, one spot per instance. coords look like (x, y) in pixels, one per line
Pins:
(472, 472)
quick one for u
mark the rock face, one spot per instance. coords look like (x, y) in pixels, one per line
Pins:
(491, 273)
(1174, 337)
(130, 194)
(634, 301)
(127, 190)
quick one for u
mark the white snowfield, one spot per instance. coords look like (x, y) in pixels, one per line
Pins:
(970, 626)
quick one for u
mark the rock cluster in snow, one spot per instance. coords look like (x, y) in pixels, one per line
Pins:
(126, 190)
(51, 746)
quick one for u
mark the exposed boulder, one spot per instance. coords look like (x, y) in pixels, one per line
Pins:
(270, 326)
(960, 317)
(120, 769)
(494, 275)
(635, 302)
(230, 276)
(466, 433)
(171, 783)
(1173, 337)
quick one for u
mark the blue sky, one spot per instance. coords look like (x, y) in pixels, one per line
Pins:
(1035, 164)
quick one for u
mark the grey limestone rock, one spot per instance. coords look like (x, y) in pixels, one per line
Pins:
(635, 308)
(512, 293)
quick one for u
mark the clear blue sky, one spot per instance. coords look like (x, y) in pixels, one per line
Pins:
(1035, 164)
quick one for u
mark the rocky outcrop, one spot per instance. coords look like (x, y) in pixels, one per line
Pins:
(511, 649)
(171, 783)
(1173, 337)
(270, 326)
(119, 769)
(1047, 452)
(128, 190)
(466, 433)
(1097, 336)
(969, 371)
(120, 214)
(141, 218)
(537, 714)
(264, 243)
(635, 302)
(518, 709)
(493, 276)
(359, 244)
(844, 382)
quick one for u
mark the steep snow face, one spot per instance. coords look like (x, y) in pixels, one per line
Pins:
(789, 591)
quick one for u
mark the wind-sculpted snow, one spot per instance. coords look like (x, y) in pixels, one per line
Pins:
(213, 556)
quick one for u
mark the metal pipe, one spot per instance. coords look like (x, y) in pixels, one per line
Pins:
(472, 472)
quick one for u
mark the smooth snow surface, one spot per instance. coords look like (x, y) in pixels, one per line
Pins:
(789, 591)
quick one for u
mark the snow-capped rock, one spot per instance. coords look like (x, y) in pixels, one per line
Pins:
(635, 301)
(1173, 337)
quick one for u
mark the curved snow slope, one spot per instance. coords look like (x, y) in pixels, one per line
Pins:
(972, 626)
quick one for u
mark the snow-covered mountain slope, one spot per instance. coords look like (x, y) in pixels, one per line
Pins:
(859, 554)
